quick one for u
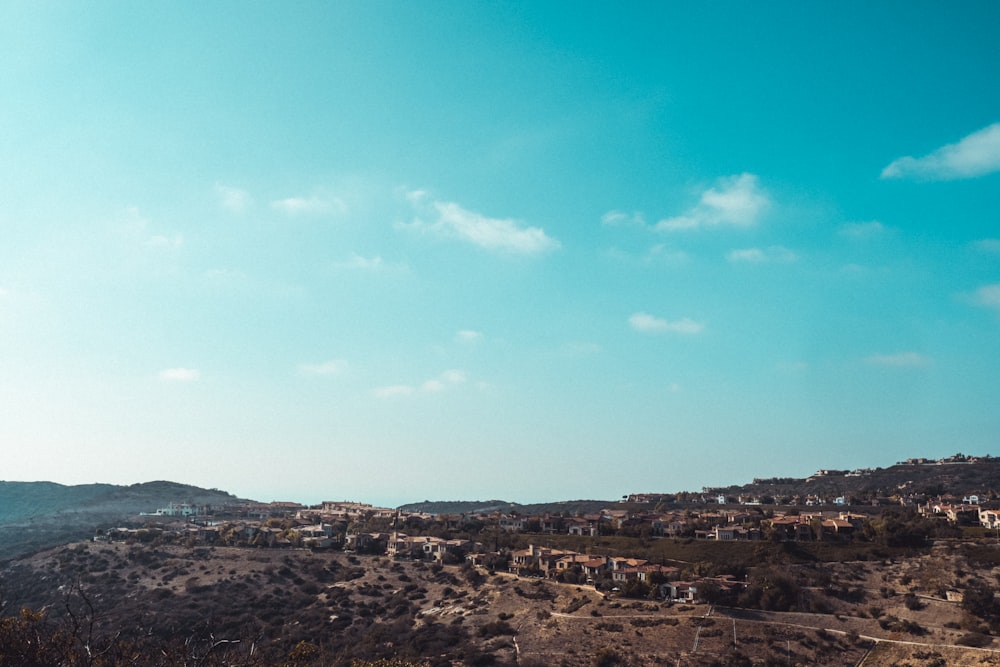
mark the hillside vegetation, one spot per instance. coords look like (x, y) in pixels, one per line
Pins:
(173, 605)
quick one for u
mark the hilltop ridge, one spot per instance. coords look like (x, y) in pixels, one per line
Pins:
(39, 515)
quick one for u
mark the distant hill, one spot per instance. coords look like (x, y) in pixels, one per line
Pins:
(23, 500)
(39, 515)
(957, 476)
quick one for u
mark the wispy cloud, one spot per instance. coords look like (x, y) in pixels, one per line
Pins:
(233, 199)
(773, 254)
(501, 235)
(646, 323)
(180, 374)
(309, 205)
(736, 200)
(863, 230)
(622, 219)
(988, 296)
(331, 367)
(468, 336)
(433, 385)
(975, 155)
(899, 360)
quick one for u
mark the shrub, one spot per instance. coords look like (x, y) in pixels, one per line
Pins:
(496, 629)
(609, 627)
(975, 640)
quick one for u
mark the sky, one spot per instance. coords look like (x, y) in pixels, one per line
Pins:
(536, 251)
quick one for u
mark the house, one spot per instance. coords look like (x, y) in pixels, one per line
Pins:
(837, 529)
(551, 525)
(792, 528)
(989, 519)
(618, 563)
(542, 559)
(679, 591)
(571, 560)
(667, 525)
(625, 574)
(511, 523)
(317, 536)
(594, 567)
(581, 527)
(726, 534)
(958, 514)
(366, 542)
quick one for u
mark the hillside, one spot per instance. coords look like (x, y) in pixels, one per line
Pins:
(39, 515)
(215, 606)
(931, 479)
(23, 500)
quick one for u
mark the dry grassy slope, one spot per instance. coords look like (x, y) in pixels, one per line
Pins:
(360, 606)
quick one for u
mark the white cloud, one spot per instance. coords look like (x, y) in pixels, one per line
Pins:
(991, 246)
(331, 367)
(776, 253)
(468, 336)
(180, 374)
(310, 205)
(495, 234)
(975, 155)
(233, 199)
(736, 200)
(863, 230)
(899, 360)
(988, 296)
(432, 386)
(416, 196)
(646, 323)
(620, 219)
(453, 376)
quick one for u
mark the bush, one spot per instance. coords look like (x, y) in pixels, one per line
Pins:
(606, 657)
(610, 627)
(496, 629)
(974, 640)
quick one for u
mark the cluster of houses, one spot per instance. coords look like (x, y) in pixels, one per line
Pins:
(365, 528)
(617, 571)
(968, 512)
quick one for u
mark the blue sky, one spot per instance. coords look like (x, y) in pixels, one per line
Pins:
(390, 251)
